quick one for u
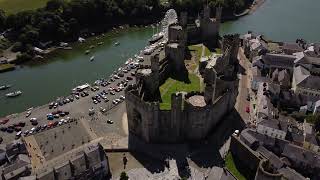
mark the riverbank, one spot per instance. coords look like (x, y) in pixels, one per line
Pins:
(256, 4)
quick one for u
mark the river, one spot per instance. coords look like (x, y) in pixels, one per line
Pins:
(281, 20)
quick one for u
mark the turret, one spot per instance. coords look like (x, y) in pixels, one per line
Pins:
(183, 19)
(210, 88)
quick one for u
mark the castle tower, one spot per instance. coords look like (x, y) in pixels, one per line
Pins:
(183, 19)
(155, 66)
(155, 63)
(209, 27)
(210, 88)
(176, 116)
(218, 14)
(206, 12)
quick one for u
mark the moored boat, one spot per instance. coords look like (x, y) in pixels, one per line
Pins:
(87, 51)
(3, 87)
(14, 94)
(91, 58)
(116, 43)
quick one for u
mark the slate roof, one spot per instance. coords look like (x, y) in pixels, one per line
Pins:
(301, 58)
(301, 157)
(279, 60)
(292, 47)
(291, 174)
(273, 159)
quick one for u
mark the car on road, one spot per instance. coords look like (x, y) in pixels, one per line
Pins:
(109, 121)
(122, 97)
(102, 109)
(247, 109)
(29, 113)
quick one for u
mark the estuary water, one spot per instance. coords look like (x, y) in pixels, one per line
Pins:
(281, 20)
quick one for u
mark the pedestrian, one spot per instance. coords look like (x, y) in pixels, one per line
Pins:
(124, 160)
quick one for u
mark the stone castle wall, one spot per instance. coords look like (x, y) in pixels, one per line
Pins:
(263, 174)
(148, 122)
(244, 156)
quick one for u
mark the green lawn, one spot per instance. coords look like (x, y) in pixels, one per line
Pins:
(232, 167)
(171, 86)
(218, 51)
(14, 6)
(207, 51)
(197, 49)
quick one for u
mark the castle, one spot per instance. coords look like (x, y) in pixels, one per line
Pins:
(192, 115)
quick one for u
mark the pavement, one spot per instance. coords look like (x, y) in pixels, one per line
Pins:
(244, 87)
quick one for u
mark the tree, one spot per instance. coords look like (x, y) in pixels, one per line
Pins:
(124, 176)
(2, 19)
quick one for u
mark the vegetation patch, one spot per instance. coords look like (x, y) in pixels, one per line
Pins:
(171, 86)
(231, 166)
(207, 51)
(14, 6)
(196, 51)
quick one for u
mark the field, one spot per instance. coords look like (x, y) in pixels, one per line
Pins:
(232, 167)
(14, 6)
(171, 86)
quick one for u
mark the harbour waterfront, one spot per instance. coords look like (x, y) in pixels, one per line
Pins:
(44, 82)
(41, 83)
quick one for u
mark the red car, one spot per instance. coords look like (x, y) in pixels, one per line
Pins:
(247, 109)
(4, 120)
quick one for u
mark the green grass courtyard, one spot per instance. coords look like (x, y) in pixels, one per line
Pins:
(171, 86)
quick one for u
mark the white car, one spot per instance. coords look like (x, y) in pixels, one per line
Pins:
(115, 102)
(122, 97)
(33, 119)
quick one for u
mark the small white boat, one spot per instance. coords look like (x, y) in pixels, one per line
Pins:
(14, 94)
(7, 86)
(116, 43)
(91, 58)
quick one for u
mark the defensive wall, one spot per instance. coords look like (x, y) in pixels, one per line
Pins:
(152, 124)
(244, 156)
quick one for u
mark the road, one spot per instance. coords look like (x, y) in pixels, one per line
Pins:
(244, 86)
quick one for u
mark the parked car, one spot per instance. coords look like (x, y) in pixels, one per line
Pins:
(109, 121)
(4, 120)
(247, 109)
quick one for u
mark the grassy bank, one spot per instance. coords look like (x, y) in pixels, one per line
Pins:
(233, 168)
(14, 6)
(171, 86)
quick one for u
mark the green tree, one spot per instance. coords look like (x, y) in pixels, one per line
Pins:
(124, 176)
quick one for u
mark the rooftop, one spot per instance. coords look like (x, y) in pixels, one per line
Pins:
(197, 100)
